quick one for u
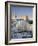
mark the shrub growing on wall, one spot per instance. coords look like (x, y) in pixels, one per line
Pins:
(30, 22)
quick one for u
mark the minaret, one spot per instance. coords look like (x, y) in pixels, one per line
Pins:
(26, 18)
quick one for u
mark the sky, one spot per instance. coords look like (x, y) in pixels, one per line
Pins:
(20, 11)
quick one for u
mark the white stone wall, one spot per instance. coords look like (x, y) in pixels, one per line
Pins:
(37, 22)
